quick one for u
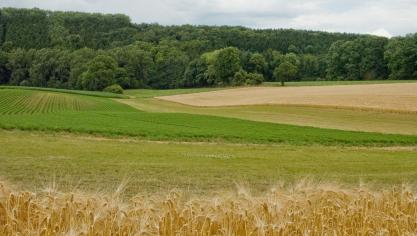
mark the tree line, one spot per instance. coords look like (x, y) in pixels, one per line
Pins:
(93, 51)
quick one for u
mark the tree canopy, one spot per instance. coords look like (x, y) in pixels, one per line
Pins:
(75, 50)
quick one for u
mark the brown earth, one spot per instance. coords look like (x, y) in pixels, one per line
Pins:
(391, 97)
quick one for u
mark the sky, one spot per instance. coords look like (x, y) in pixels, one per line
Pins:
(380, 17)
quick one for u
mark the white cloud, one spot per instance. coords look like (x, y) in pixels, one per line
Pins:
(384, 17)
(381, 32)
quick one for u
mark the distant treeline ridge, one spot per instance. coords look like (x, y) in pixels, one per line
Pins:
(74, 50)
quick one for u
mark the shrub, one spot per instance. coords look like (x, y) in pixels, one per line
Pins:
(115, 88)
(244, 78)
(239, 78)
(254, 79)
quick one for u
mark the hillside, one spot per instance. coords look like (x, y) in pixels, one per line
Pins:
(86, 51)
(46, 29)
(107, 117)
(401, 97)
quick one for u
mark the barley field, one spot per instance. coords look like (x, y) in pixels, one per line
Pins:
(301, 209)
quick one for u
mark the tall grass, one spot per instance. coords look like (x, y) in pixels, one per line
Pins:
(303, 209)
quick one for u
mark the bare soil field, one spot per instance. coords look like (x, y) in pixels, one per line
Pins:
(390, 97)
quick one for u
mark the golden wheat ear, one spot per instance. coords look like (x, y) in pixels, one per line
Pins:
(295, 209)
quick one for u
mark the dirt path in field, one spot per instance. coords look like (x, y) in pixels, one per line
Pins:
(390, 97)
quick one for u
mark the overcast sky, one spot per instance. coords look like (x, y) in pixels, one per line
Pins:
(381, 17)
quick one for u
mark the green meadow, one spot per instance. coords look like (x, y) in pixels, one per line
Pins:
(92, 163)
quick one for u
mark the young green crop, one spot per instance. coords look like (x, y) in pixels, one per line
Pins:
(107, 117)
(28, 102)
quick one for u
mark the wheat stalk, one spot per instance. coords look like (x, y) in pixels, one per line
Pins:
(304, 209)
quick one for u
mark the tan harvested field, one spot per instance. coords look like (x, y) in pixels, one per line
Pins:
(323, 117)
(390, 97)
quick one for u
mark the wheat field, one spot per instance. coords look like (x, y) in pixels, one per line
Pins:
(390, 97)
(302, 209)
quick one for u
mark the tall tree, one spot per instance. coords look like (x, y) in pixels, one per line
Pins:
(19, 64)
(286, 71)
(360, 59)
(170, 64)
(50, 68)
(309, 66)
(4, 71)
(100, 73)
(25, 28)
(257, 63)
(401, 55)
(137, 64)
(80, 60)
(195, 74)
(224, 64)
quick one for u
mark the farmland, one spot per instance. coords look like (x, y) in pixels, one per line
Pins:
(89, 145)
(322, 117)
(402, 97)
(92, 163)
(114, 127)
(318, 209)
(16, 102)
(111, 118)
(149, 141)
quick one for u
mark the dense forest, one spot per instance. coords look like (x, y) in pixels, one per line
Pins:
(93, 51)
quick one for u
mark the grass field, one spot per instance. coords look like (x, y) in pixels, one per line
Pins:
(95, 163)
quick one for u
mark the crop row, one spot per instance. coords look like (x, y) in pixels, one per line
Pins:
(30, 102)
